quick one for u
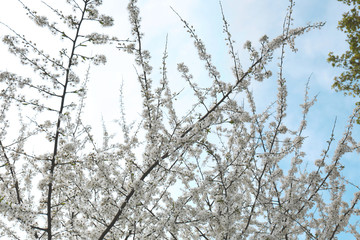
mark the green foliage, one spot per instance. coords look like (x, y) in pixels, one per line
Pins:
(348, 81)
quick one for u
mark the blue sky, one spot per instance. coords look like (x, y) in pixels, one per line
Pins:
(249, 20)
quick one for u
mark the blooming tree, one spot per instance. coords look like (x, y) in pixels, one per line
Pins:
(223, 156)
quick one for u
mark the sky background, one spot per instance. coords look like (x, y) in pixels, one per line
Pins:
(249, 20)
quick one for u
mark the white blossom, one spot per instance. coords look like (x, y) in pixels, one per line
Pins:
(223, 169)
